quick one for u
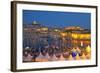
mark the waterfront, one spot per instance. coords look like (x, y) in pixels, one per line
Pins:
(42, 44)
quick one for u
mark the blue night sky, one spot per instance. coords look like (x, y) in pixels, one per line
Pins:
(57, 19)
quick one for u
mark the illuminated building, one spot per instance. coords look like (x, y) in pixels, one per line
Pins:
(78, 36)
(36, 35)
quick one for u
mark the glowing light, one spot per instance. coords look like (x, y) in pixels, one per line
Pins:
(57, 30)
(81, 43)
(63, 34)
(83, 56)
(44, 29)
(88, 49)
(80, 36)
(75, 36)
(38, 29)
(70, 57)
(34, 22)
(27, 48)
(77, 57)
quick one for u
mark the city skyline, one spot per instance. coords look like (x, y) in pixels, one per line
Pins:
(41, 43)
(57, 19)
